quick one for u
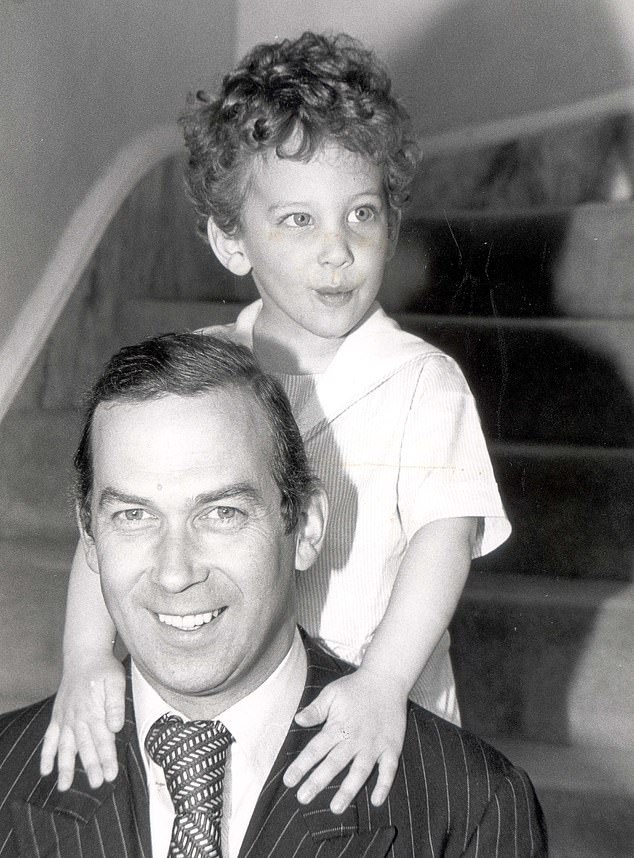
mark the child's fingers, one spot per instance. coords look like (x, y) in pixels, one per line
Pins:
(315, 713)
(49, 748)
(114, 690)
(88, 754)
(360, 771)
(329, 768)
(388, 765)
(66, 753)
(318, 747)
(104, 742)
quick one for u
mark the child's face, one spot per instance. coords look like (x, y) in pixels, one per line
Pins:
(315, 236)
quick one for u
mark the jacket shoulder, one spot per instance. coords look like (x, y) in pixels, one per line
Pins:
(21, 735)
(472, 792)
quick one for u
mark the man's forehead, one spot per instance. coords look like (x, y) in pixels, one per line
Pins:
(176, 425)
(216, 401)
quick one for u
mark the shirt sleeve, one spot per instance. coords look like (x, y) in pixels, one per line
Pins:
(445, 470)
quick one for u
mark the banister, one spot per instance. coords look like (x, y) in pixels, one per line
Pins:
(78, 242)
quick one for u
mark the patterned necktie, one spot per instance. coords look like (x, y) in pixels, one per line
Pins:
(193, 756)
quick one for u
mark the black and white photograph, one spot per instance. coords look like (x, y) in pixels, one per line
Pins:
(317, 429)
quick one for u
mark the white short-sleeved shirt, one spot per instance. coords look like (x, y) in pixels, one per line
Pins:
(392, 430)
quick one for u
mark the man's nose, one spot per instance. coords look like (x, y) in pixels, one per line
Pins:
(335, 249)
(178, 564)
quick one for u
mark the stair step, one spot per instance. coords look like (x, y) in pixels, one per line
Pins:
(549, 381)
(36, 472)
(546, 659)
(147, 318)
(33, 580)
(587, 794)
(572, 511)
(577, 262)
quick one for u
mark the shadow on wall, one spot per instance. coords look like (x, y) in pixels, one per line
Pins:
(484, 60)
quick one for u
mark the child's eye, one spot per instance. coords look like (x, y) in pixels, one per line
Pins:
(362, 214)
(297, 219)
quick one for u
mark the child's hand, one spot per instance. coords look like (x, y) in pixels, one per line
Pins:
(86, 714)
(366, 725)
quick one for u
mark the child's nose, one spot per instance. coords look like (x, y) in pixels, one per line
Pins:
(335, 250)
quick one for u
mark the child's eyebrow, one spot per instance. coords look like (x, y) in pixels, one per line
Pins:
(286, 205)
(303, 204)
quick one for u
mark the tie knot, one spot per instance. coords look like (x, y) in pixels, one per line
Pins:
(193, 756)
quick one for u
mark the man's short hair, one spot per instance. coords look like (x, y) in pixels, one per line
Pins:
(292, 97)
(190, 364)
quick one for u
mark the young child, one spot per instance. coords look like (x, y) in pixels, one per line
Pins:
(299, 169)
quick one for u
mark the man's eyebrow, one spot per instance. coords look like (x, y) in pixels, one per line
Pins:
(112, 495)
(247, 491)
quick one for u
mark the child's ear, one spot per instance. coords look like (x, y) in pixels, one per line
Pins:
(311, 530)
(87, 543)
(228, 249)
(394, 227)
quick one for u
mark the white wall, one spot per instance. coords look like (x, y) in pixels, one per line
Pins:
(81, 79)
(458, 62)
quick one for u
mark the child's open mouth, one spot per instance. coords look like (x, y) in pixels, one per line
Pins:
(334, 298)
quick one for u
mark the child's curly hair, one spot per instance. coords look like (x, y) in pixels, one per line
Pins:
(293, 96)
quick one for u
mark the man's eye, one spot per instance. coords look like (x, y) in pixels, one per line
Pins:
(297, 219)
(224, 515)
(133, 515)
(362, 214)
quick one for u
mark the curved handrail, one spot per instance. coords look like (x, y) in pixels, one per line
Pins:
(73, 252)
(524, 125)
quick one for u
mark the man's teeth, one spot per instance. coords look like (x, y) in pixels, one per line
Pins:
(189, 621)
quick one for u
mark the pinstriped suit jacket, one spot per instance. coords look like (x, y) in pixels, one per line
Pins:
(453, 796)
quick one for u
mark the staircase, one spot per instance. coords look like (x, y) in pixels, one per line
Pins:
(544, 635)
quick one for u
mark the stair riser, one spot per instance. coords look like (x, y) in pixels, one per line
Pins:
(36, 473)
(572, 516)
(546, 669)
(562, 386)
(587, 824)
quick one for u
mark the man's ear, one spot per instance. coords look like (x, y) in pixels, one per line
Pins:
(311, 530)
(82, 514)
(394, 226)
(228, 250)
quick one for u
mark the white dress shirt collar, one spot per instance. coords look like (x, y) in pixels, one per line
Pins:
(259, 724)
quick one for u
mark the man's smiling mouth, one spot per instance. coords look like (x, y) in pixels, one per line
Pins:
(189, 622)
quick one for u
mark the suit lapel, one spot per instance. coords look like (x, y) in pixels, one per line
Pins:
(109, 822)
(281, 826)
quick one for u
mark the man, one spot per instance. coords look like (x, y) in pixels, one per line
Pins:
(196, 506)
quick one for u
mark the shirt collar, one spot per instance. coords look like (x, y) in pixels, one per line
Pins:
(256, 722)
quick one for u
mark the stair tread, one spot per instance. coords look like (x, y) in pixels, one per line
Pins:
(515, 588)
(225, 310)
(571, 768)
